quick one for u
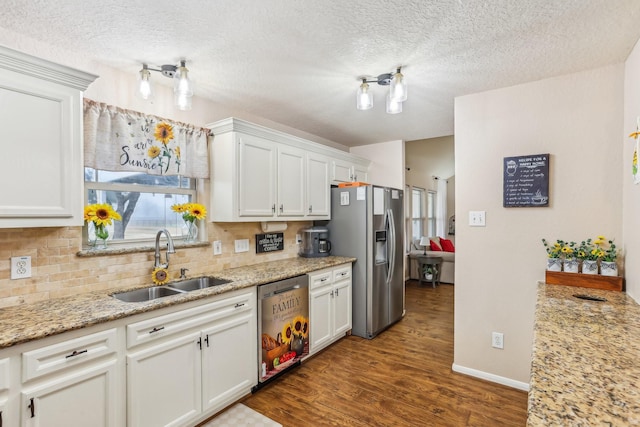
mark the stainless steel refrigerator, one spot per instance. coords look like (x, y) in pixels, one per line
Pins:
(367, 223)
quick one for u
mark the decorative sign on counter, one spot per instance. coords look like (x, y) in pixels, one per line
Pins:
(526, 181)
(269, 242)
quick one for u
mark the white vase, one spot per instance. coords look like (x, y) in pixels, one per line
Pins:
(608, 268)
(554, 264)
(589, 267)
(570, 265)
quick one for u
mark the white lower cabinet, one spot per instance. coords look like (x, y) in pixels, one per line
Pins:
(230, 366)
(72, 383)
(192, 363)
(329, 306)
(164, 383)
(83, 397)
(174, 368)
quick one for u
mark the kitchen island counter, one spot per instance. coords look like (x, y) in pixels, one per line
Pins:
(585, 368)
(30, 322)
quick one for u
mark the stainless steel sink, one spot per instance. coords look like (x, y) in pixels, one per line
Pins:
(197, 283)
(147, 294)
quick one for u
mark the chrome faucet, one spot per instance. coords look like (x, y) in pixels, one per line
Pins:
(170, 249)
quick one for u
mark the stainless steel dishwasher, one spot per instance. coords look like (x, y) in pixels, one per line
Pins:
(283, 326)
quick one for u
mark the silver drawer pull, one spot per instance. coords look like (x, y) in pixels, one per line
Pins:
(75, 353)
(324, 279)
(154, 330)
(239, 305)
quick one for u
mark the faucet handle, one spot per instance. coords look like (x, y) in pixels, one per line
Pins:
(183, 273)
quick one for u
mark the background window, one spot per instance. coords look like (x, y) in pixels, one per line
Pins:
(144, 202)
(431, 213)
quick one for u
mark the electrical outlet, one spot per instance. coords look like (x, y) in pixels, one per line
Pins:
(477, 218)
(497, 340)
(217, 247)
(298, 239)
(242, 245)
(20, 267)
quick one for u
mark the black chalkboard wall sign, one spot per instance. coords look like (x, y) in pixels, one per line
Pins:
(269, 242)
(526, 181)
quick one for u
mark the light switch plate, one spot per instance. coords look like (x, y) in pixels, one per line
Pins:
(217, 247)
(242, 245)
(477, 218)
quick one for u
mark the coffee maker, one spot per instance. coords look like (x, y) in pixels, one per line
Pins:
(315, 243)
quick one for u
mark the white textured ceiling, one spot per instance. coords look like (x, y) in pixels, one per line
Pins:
(297, 62)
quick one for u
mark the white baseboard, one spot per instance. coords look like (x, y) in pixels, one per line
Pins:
(491, 377)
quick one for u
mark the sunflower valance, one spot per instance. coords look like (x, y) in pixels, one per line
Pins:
(122, 140)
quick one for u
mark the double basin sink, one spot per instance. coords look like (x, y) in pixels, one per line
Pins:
(179, 287)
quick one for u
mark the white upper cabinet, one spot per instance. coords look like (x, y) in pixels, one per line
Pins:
(259, 174)
(348, 171)
(256, 176)
(41, 122)
(318, 192)
(291, 180)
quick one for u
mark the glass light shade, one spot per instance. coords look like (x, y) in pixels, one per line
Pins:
(182, 101)
(398, 88)
(364, 98)
(393, 107)
(145, 89)
(181, 82)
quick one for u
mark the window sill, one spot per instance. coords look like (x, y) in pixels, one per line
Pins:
(121, 250)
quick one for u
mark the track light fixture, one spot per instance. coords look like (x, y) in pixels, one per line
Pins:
(182, 85)
(396, 96)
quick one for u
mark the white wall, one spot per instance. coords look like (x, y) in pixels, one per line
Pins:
(387, 162)
(578, 119)
(630, 191)
(428, 157)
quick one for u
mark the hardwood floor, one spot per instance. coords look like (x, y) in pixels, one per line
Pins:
(403, 377)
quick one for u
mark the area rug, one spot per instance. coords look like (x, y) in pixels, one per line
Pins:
(240, 415)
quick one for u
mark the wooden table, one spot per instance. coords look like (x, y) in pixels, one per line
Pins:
(434, 262)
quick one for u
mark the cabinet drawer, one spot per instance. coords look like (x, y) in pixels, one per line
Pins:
(162, 326)
(342, 273)
(59, 356)
(320, 278)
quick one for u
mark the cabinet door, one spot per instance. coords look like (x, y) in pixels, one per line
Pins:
(164, 383)
(256, 176)
(229, 365)
(342, 171)
(83, 398)
(318, 186)
(341, 307)
(320, 324)
(42, 143)
(360, 174)
(291, 182)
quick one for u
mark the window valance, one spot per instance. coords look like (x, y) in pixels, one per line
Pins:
(116, 139)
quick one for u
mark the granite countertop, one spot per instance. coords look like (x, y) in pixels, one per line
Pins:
(585, 368)
(29, 322)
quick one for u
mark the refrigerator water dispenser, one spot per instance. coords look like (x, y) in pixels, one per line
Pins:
(381, 246)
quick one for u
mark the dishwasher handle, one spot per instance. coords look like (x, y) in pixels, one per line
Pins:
(280, 291)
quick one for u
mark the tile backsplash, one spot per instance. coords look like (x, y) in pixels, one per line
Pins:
(57, 271)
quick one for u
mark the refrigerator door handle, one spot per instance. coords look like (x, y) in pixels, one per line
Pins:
(391, 241)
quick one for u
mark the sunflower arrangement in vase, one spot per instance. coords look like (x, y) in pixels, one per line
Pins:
(296, 333)
(190, 213)
(98, 216)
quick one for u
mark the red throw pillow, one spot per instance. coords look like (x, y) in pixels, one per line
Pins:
(447, 245)
(435, 246)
